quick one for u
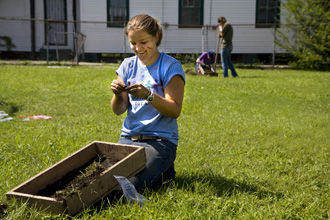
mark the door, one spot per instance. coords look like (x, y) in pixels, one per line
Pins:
(56, 29)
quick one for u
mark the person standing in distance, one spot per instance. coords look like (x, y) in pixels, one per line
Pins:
(226, 31)
(150, 87)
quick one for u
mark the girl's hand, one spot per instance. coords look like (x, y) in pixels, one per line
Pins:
(118, 87)
(119, 102)
(138, 90)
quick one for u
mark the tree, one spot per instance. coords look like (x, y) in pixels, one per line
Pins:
(306, 33)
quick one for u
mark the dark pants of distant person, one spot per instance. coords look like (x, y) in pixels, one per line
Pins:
(226, 63)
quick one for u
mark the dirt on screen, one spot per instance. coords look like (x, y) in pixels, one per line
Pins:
(77, 179)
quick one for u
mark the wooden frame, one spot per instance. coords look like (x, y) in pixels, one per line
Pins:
(131, 159)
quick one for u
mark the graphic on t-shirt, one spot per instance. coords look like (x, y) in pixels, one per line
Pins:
(137, 102)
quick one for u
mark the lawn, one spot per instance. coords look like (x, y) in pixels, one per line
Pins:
(254, 147)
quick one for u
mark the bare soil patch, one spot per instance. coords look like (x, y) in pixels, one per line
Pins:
(77, 179)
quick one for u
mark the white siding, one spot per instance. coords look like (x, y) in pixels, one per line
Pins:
(240, 13)
(102, 39)
(18, 31)
(40, 26)
(99, 37)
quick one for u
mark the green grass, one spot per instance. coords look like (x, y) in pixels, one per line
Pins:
(255, 147)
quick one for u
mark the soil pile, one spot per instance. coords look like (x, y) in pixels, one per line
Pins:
(77, 179)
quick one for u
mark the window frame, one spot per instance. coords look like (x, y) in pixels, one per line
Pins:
(277, 16)
(201, 18)
(119, 25)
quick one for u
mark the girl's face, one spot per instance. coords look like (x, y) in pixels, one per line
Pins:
(144, 46)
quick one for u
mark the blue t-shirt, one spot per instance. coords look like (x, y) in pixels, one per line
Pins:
(142, 118)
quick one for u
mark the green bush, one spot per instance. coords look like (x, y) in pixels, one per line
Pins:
(306, 33)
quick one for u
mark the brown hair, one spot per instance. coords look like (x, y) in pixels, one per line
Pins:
(146, 23)
(222, 19)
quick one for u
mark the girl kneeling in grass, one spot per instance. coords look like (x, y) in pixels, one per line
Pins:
(150, 87)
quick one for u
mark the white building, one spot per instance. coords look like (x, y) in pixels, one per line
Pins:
(190, 26)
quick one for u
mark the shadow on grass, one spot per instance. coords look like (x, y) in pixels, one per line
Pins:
(9, 108)
(222, 185)
(190, 182)
(251, 77)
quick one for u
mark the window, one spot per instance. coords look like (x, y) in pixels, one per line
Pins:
(191, 13)
(117, 12)
(55, 32)
(268, 13)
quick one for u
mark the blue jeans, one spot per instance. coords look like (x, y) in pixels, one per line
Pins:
(226, 63)
(160, 156)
